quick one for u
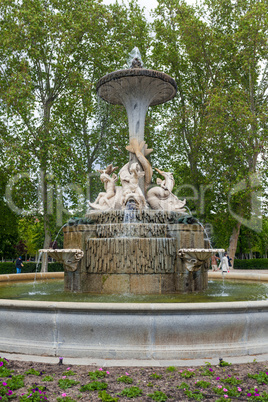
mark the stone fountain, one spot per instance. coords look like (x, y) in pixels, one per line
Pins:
(137, 237)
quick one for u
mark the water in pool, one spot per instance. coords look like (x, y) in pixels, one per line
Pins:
(53, 290)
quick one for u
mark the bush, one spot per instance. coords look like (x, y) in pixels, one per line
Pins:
(28, 267)
(255, 263)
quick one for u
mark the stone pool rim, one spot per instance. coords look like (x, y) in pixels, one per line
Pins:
(145, 331)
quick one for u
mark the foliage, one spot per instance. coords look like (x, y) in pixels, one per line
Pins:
(28, 267)
(171, 369)
(4, 371)
(231, 380)
(52, 54)
(94, 375)
(48, 378)
(224, 363)
(156, 376)
(15, 382)
(187, 373)
(32, 371)
(203, 384)
(65, 383)
(131, 392)
(68, 372)
(5, 393)
(106, 397)
(197, 395)
(8, 221)
(125, 378)
(183, 385)
(208, 371)
(255, 263)
(254, 395)
(33, 395)
(216, 128)
(230, 391)
(92, 386)
(261, 377)
(158, 396)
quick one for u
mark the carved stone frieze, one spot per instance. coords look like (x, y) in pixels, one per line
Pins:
(194, 258)
(68, 257)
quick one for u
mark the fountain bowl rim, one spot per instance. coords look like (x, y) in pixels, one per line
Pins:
(137, 72)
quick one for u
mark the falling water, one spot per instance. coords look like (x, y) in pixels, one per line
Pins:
(37, 264)
(134, 54)
(58, 235)
(129, 218)
(206, 233)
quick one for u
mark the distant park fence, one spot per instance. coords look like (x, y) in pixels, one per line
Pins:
(28, 267)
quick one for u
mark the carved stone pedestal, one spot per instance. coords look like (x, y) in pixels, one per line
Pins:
(140, 257)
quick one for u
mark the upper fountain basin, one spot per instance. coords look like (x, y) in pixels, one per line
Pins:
(158, 86)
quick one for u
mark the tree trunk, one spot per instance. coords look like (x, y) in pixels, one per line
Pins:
(47, 241)
(233, 241)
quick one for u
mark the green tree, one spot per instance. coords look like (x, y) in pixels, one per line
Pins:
(8, 222)
(218, 55)
(52, 53)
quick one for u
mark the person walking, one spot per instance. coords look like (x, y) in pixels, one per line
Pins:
(224, 264)
(214, 264)
(229, 262)
(19, 264)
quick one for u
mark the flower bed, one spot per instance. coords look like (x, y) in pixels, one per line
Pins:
(24, 381)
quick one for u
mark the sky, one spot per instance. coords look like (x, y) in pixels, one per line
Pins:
(148, 4)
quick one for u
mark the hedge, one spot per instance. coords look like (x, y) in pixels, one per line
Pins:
(9, 267)
(255, 263)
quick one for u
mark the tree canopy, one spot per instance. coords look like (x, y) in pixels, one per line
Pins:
(55, 132)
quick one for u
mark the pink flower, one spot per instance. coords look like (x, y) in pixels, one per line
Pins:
(127, 373)
(4, 383)
(107, 372)
(68, 368)
(225, 390)
(218, 378)
(225, 396)
(64, 394)
(239, 389)
(180, 371)
(219, 386)
(100, 369)
(64, 376)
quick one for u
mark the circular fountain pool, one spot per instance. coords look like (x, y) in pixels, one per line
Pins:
(165, 330)
(53, 290)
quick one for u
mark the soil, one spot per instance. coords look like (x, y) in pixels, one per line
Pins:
(142, 378)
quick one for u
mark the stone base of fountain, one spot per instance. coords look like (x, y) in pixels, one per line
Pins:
(140, 257)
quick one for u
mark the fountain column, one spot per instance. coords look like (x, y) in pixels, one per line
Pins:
(136, 88)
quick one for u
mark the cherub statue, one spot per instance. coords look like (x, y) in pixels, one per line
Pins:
(131, 189)
(162, 197)
(105, 199)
